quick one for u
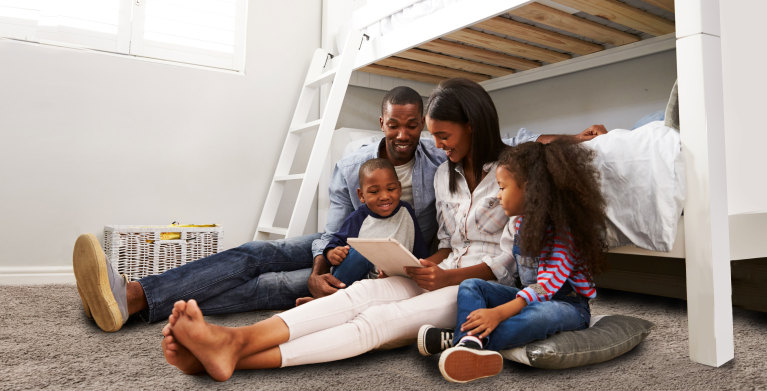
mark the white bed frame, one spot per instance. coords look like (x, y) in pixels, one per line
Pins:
(711, 237)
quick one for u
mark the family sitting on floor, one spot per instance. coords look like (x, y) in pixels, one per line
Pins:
(516, 223)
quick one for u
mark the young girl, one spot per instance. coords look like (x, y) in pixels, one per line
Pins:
(556, 242)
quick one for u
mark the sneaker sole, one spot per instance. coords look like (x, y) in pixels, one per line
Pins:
(461, 365)
(422, 340)
(91, 274)
(85, 304)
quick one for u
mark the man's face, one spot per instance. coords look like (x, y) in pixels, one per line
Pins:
(402, 126)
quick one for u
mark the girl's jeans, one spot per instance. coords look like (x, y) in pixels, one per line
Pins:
(538, 320)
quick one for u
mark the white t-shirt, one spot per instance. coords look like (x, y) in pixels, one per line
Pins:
(405, 175)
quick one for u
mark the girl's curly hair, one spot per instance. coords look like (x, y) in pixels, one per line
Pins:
(562, 193)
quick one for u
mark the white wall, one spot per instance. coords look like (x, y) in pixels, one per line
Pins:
(744, 85)
(616, 95)
(90, 139)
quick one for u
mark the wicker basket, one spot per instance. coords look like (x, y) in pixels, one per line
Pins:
(140, 251)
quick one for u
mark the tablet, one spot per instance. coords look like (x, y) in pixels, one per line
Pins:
(388, 254)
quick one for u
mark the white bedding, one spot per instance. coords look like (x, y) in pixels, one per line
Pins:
(643, 183)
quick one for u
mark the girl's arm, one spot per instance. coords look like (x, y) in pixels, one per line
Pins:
(483, 321)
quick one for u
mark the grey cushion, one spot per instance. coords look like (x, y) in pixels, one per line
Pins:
(607, 338)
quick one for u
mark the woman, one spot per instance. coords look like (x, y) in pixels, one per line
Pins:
(372, 313)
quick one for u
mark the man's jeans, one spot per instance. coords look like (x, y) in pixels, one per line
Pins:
(538, 320)
(259, 275)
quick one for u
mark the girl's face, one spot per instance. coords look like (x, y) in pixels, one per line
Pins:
(453, 137)
(511, 194)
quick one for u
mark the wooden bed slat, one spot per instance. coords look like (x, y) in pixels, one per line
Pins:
(538, 35)
(479, 54)
(429, 69)
(666, 5)
(501, 44)
(562, 20)
(623, 14)
(455, 63)
(402, 74)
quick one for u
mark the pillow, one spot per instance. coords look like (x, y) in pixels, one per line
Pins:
(606, 337)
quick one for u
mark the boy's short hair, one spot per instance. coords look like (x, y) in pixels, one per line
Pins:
(375, 164)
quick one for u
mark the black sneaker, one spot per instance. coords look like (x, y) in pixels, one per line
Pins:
(432, 340)
(467, 361)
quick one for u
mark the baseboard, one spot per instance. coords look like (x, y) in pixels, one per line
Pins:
(36, 275)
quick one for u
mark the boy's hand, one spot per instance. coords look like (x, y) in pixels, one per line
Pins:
(430, 276)
(482, 322)
(337, 255)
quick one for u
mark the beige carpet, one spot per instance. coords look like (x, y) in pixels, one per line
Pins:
(46, 342)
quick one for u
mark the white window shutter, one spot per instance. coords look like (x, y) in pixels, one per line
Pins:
(204, 32)
(93, 24)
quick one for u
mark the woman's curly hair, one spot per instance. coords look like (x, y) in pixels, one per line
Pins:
(562, 193)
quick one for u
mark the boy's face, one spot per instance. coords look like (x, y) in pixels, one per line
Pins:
(380, 190)
(511, 194)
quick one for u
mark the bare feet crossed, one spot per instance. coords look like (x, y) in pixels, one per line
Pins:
(212, 345)
(178, 355)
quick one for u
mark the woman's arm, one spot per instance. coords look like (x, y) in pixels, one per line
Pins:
(432, 277)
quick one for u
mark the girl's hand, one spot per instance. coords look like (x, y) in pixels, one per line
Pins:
(337, 255)
(430, 276)
(381, 274)
(482, 322)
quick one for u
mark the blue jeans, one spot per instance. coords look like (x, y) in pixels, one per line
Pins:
(538, 320)
(355, 267)
(259, 275)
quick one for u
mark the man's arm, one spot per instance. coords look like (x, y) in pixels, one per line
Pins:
(321, 282)
(588, 134)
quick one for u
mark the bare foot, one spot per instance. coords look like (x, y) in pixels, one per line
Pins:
(303, 300)
(212, 345)
(178, 355)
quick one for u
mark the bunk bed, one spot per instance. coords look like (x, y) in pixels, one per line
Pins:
(502, 43)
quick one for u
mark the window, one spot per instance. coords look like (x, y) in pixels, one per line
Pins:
(203, 32)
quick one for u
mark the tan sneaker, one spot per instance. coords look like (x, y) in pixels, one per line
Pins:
(102, 290)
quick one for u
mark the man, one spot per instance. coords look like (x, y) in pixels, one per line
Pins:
(274, 274)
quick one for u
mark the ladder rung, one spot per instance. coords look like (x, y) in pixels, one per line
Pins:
(313, 125)
(273, 230)
(291, 177)
(322, 78)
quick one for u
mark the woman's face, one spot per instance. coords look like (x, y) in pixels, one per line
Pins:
(453, 137)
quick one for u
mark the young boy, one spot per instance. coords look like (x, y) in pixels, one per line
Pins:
(381, 215)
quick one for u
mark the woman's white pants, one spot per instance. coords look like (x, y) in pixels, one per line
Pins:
(365, 316)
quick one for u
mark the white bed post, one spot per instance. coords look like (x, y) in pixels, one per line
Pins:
(707, 243)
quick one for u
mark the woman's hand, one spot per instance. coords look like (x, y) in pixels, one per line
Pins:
(482, 322)
(430, 276)
(337, 255)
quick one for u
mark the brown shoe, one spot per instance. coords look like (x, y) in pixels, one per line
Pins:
(102, 290)
(467, 361)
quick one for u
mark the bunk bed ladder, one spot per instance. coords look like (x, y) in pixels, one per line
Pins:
(324, 69)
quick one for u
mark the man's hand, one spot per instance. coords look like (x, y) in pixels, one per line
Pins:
(337, 255)
(430, 276)
(482, 322)
(321, 282)
(590, 132)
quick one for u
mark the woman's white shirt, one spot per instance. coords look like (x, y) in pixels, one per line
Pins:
(472, 224)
